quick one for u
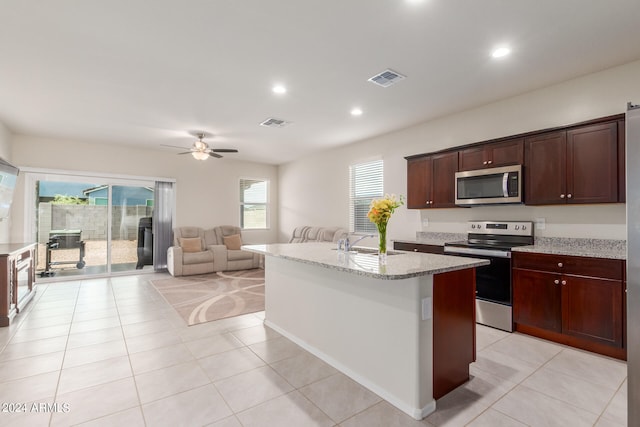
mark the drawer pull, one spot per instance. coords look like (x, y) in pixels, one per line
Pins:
(560, 264)
(556, 281)
(564, 282)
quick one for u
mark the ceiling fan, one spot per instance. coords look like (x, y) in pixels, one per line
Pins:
(201, 150)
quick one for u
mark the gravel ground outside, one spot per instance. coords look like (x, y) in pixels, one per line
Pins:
(95, 253)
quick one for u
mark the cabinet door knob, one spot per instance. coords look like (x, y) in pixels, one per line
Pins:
(564, 282)
(556, 281)
(489, 162)
(569, 196)
(560, 264)
(415, 250)
(484, 163)
(562, 196)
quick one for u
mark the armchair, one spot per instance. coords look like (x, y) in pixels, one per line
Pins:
(189, 253)
(225, 241)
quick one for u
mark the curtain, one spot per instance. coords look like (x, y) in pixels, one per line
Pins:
(162, 223)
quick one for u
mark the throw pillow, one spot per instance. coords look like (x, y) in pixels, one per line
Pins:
(193, 244)
(233, 242)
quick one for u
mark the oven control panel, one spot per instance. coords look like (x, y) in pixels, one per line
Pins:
(512, 228)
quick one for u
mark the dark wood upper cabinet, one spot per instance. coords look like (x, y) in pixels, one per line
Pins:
(545, 168)
(579, 165)
(418, 182)
(431, 181)
(622, 176)
(492, 155)
(443, 183)
(575, 164)
(592, 164)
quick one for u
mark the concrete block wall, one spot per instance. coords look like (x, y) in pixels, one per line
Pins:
(91, 219)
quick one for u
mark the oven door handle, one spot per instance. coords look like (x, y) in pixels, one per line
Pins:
(480, 252)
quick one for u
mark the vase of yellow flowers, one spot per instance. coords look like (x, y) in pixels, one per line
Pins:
(380, 212)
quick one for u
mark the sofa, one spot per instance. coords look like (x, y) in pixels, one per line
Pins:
(307, 233)
(199, 251)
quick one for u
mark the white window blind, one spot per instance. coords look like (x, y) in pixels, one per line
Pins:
(254, 203)
(366, 182)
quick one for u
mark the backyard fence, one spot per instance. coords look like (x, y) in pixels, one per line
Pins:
(91, 220)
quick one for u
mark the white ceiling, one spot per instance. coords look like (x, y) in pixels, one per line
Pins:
(146, 73)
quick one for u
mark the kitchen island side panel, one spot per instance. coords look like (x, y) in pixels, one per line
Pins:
(370, 329)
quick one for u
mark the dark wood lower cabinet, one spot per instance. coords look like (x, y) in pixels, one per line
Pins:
(592, 309)
(559, 298)
(537, 300)
(454, 329)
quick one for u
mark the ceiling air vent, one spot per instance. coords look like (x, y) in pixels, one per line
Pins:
(387, 78)
(274, 123)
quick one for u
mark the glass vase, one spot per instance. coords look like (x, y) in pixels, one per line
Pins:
(382, 242)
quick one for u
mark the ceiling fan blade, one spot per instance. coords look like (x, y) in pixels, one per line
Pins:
(217, 156)
(173, 146)
(224, 150)
(186, 152)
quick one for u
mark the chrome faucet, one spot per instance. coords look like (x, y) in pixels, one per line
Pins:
(348, 244)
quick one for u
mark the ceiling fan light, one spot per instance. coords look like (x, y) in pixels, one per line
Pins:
(200, 155)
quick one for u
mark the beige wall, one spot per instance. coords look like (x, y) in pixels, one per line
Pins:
(5, 153)
(314, 191)
(207, 192)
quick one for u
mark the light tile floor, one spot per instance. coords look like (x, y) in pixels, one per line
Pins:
(112, 352)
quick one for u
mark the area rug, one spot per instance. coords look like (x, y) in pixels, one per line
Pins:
(214, 296)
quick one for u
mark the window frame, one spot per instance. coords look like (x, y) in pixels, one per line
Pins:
(356, 219)
(266, 204)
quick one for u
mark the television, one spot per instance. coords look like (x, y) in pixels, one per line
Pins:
(8, 178)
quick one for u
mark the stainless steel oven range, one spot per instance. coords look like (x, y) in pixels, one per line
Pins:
(493, 240)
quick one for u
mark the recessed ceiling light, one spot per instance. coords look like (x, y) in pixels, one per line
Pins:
(356, 112)
(500, 52)
(279, 89)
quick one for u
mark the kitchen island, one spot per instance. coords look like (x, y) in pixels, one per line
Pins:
(405, 330)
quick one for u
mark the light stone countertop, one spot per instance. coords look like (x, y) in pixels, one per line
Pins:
(435, 238)
(400, 265)
(598, 248)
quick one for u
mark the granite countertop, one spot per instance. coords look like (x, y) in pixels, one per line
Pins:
(598, 248)
(435, 238)
(400, 265)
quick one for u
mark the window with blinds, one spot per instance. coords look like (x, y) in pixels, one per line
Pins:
(365, 183)
(254, 203)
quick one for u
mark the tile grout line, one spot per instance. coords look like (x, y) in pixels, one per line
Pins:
(64, 355)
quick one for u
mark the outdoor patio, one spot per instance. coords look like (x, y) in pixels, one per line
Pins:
(123, 254)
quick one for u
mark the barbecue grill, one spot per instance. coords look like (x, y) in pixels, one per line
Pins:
(64, 239)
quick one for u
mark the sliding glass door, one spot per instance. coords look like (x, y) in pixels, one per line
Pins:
(131, 236)
(87, 226)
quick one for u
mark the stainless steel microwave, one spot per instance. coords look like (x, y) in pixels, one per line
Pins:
(489, 186)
